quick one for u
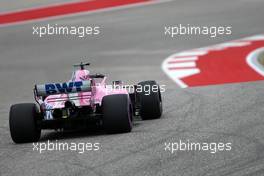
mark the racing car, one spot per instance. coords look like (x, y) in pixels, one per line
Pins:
(84, 99)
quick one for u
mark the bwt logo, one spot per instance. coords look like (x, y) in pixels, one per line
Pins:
(67, 87)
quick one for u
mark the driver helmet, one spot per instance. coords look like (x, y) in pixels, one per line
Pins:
(82, 75)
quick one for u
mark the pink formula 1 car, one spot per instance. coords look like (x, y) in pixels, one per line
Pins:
(85, 99)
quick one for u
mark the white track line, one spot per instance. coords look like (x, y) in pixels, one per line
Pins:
(182, 64)
(184, 59)
(253, 61)
(191, 53)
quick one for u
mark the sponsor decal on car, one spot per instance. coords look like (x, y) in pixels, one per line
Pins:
(63, 88)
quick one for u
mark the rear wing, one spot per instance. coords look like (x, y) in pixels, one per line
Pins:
(62, 88)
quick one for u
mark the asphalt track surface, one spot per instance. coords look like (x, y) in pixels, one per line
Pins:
(132, 47)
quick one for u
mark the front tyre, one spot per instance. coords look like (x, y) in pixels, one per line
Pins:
(23, 123)
(117, 115)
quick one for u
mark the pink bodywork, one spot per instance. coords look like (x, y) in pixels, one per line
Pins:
(99, 90)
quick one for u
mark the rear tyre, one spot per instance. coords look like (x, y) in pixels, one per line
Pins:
(117, 115)
(23, 123)
(150, 101)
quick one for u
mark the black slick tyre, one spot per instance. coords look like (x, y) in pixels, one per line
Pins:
(23, 123)
(117, 115)
(150, 101)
